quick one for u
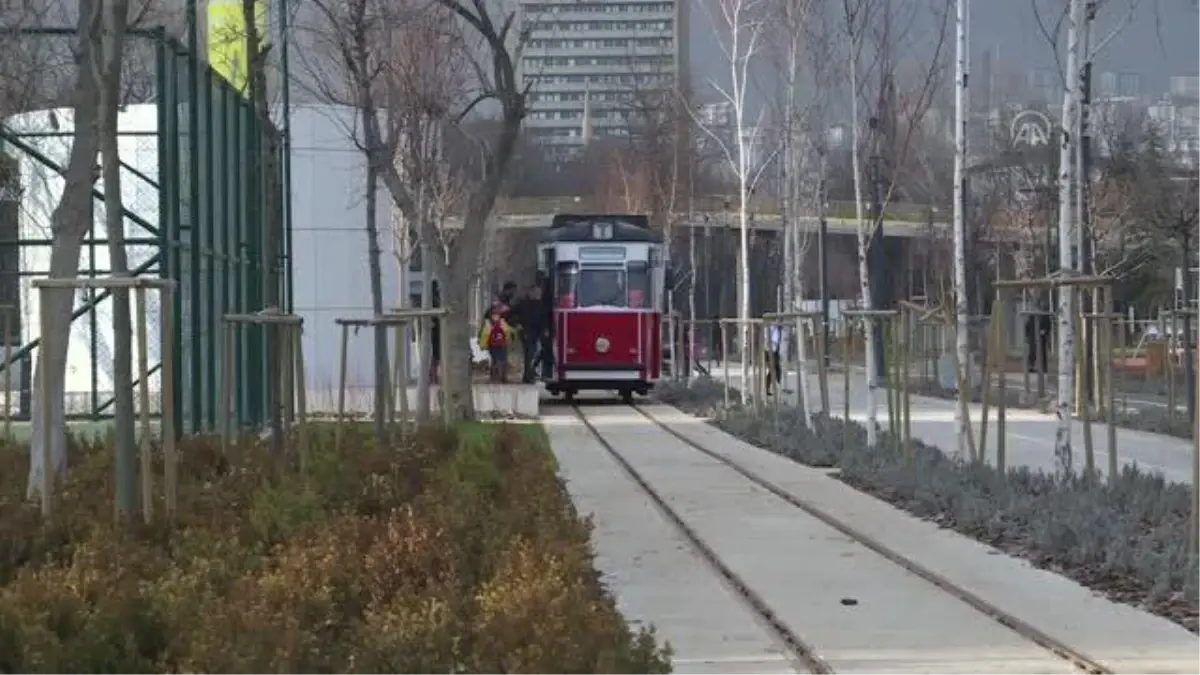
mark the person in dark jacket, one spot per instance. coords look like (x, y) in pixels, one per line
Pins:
(435, 335)
(1037, 341)
(508, 295)
(529, 314)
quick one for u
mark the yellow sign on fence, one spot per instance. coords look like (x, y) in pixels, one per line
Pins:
(227, 49)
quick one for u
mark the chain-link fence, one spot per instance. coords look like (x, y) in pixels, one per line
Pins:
(193, 192)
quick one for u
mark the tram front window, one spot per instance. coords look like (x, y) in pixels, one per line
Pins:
(602, 287)
(566, 285)
(639, 285)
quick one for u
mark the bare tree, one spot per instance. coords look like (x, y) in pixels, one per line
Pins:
(864, 22)
(962, 426)
(267, 165)
(108, 72)
(69, 225)
(410, 111)
(800, 48)
(1077, 15)
(740, 27)
(364, 50)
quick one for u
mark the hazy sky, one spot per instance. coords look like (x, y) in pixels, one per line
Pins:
(1162, 39)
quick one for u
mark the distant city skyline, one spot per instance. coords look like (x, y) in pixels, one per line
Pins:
(584, 58)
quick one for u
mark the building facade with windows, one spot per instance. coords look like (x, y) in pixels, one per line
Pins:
(592, 63)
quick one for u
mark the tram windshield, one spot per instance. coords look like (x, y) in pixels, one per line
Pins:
(604, 286)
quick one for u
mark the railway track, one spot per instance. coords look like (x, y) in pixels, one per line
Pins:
(804, 654)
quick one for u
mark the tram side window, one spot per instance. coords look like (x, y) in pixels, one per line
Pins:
(640, 293)
(566, 285)
(602, 287)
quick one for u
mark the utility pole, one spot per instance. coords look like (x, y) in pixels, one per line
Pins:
(961, 60)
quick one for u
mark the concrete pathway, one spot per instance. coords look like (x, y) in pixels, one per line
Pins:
(1030, 434)
(860, 611)
(1119, 636)
(655, 574)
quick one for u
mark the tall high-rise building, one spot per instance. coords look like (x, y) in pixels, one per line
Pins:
(602, 58)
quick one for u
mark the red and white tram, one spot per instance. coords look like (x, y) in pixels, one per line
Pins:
(605, 279)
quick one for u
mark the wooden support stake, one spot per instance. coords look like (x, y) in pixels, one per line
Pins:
(846, 350)
(8, 366)
(301, 399)
(228, 355)
(725, 361)
(167, 417)
(1002, 403)
(341, 405)
(822, 370)
(1089, 449)
(1108, 356)
(985, 383)
(147, 446)
(906, 398)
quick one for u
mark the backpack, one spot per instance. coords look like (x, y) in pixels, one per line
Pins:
(497, 336)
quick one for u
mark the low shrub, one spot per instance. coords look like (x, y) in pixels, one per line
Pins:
(1147, 418)
(1128, 539)
(1155, 421)
(457, 550)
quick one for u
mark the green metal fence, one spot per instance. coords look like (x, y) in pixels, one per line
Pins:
(206, 223)
(214, 229)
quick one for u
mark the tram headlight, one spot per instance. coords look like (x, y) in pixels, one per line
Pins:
(602, 345)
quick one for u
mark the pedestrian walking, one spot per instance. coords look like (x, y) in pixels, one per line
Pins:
(774, 368)
(494, 336)
(1037, 341)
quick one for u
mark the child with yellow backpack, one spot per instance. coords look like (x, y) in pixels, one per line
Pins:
(494, 337)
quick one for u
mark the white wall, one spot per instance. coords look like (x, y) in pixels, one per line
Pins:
(329, 244)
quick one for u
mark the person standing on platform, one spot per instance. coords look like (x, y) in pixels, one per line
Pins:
(530, 314)
(494, 337)
(435, 335)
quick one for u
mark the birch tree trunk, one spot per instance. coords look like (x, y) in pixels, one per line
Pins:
(69, 224)
(864, 279)
(748, 373)
(108, 76)
(962, 338)
(1066, 239)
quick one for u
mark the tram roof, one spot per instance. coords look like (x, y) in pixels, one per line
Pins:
(580, 228)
